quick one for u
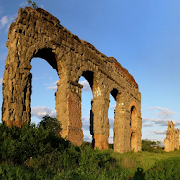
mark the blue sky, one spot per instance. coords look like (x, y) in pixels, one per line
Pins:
(143, 35)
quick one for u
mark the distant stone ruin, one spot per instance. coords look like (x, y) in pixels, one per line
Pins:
(171, 142)
(36, 33)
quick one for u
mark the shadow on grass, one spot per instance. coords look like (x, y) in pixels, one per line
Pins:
(139, 175)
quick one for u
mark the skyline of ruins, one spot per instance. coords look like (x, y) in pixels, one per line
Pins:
(148, 55)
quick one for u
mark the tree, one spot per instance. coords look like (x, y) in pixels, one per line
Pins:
(51, 124)
(146, 145)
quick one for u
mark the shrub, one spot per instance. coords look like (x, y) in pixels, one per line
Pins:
(51, 124)
(13, 172)
(20, 144)
(33, 4)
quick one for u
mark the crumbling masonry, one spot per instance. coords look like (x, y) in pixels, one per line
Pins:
(36, 33)
(171, 142)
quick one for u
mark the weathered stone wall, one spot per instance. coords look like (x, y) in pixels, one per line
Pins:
(171, 142)
(36, 33)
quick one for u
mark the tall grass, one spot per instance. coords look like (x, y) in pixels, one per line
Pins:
(37, 153)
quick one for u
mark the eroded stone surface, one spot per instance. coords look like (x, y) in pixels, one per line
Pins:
(171, 142)
(36, 33)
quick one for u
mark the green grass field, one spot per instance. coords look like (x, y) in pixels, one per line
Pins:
(39, 153)
(143, 159)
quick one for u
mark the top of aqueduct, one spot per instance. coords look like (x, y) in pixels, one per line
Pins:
(98, 57)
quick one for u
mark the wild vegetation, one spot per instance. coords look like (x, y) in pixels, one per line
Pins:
(151, 146)
(39, 152)
(32, 4)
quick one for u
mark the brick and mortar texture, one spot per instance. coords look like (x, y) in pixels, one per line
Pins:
(36, 33)
(171, 142)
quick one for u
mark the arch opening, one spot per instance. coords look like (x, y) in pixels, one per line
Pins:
(49, 56)
(111, 115)
(43, 84)
(88, 75)
(86, 79)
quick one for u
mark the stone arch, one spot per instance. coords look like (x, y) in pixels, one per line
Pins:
(38, 33)
(114, 93)
(46, 52)
(43, 86)
(88, 75)
(99, 108)
(49, 56)
(133, 134)
(92, 76)
(24, 82)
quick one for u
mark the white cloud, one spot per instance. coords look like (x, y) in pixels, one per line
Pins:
(6, 21)
(87, 138)
(1, 79)
(146, 119)
(158, 132)
(86, 86)
(111, 139)
(111, 123)
(164, 115)
(147, 124)
(176, 123)
(52, 86)
(85, 123)
(41, 111)
(112, 107)
(160, 122)
(163, 112)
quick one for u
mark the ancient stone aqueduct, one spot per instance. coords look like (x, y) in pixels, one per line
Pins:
(171, 142)
(36, 33)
